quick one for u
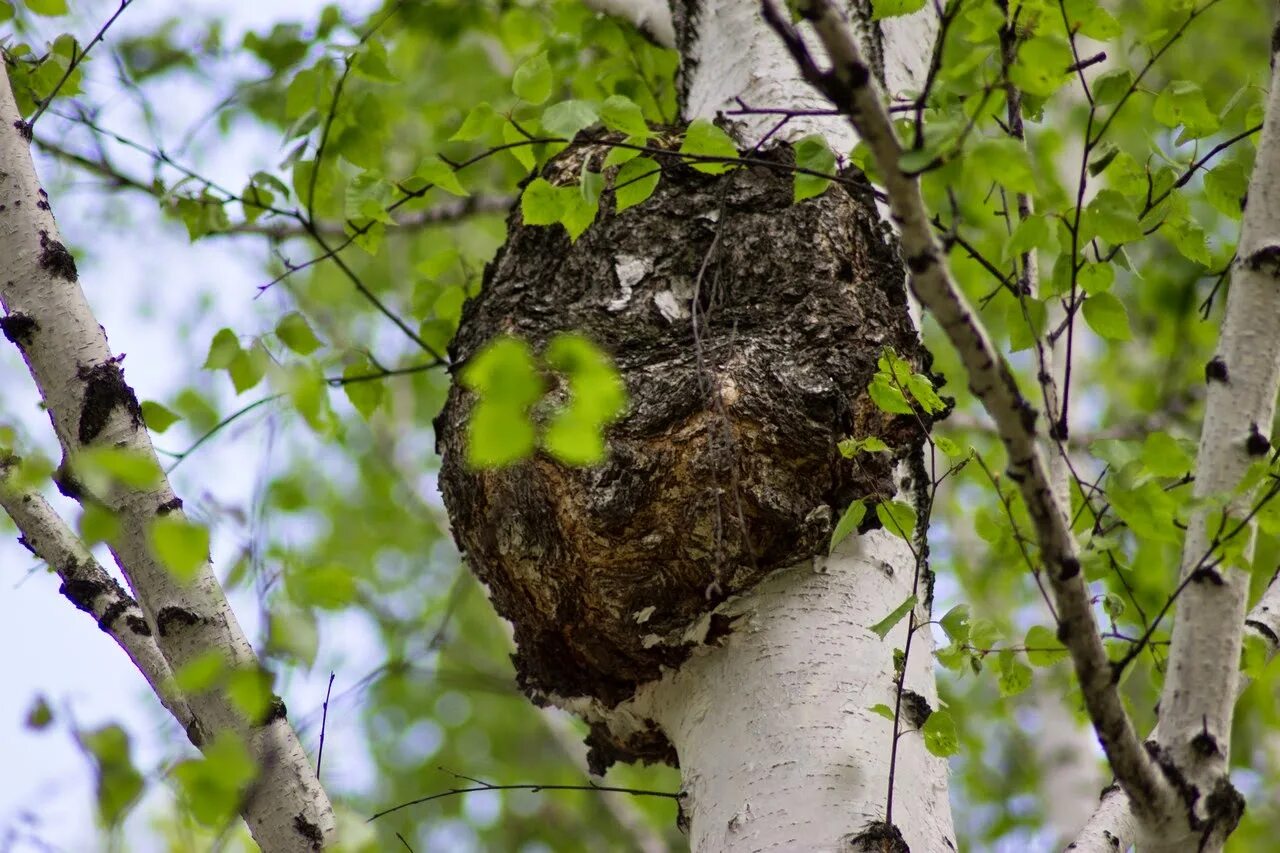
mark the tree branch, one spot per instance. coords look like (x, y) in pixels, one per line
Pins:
(84, 390)
(851, 86)
(452, 210)
(90, 588)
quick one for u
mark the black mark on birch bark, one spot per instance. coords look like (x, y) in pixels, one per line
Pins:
(171, 618)
(55, 259)
(18, 328)
(104, 390)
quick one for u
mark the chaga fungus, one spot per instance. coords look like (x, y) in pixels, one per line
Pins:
(746, 328)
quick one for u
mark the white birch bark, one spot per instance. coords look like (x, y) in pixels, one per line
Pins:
(778, 746)
(732, 58)
(83, 388)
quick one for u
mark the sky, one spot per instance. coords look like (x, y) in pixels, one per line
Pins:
(158, 306)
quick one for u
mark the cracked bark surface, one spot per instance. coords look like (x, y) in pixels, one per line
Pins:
(746, 328)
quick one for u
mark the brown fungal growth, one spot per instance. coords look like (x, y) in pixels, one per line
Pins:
(746, 328)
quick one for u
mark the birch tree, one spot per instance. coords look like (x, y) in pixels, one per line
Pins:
(800, 378)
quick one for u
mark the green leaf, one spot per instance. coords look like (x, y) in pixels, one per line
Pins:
(293, 633)
(181, 545)
(851, 447)
(939, 733)
(532, 80)
(1004, 161)
(1106, 155)
(635, 182)
(98, 524)
(1182, 103)
(886, 397)
(119, 784)
(1165, 456)
(568, 117)
(371, 62)
(48, 8)
(576, 212)
(897, 517)
(883, 710)
(506, 381)
(249, 690)
(498, 436)
(1087, 18)
(1107, 316)
(295, 333)
(519, 146)
(1096, 278)
(1254, 656)
(367, 394)
(1043, 647)
(254, 199)
(1189, 239)
(1110, 216)
(157, 417)
(882, 628)
(1110, 86)
(1225, 186)
(921, 389)
(950, 447)
(1041, 66)
(101, 469)
(893, 8)
(914, 161)
(222, 351)
(849, 521)
(433, 170)
(480, 121)
(813, 153)
(329, 586)
(704, 139)
(983, 633)
(1015, 676)
(597, 398)
(1032, 233)
(214, 785)
(624, 115)
(541, 203)
(956, 623)
(248, 367)
(202, 673)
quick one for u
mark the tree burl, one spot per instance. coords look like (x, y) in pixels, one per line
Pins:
(746, 328)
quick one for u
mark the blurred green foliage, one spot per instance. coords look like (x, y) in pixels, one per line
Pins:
(408, 135)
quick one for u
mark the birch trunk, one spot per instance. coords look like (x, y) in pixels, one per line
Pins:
(83, 387)
(778, 747)
(761, 688)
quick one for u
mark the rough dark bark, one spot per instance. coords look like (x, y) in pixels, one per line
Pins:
(746, 347)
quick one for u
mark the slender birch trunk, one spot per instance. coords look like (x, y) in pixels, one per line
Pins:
(90, 406)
